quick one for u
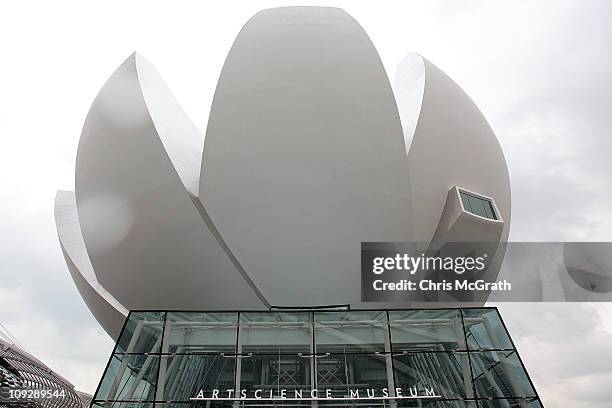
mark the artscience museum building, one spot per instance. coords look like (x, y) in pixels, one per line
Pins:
(226, 265)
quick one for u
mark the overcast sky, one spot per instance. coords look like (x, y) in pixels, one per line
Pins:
(540, 72)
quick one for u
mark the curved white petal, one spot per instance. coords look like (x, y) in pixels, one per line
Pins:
(452, 146)
(181, 139)
(106, 309)
(304, 154)
(146, 239)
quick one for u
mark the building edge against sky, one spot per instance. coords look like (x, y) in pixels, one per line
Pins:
(306, 155)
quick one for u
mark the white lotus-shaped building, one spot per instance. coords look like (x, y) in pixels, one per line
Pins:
(308, 152)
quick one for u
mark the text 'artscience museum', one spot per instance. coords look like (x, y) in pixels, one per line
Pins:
(227, 267)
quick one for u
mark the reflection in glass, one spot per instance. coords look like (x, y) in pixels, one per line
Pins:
(124, 404)
(357, 331)
(142, 333)
(276, 332)
(498, 403)
(342, 372)
(185, 375)
(129, 377)
(510, 403)
(426, 330)
(478, 205)
(194, 404)
(213, 332)
(485, 330)
(274, 372)
(447, 373)
(500, 374)
(435, 404)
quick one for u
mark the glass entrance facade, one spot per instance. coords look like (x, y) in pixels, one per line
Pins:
(399, 358)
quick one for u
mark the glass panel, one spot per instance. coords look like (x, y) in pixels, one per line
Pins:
(447, 373)
(186, 375)
(129, 377)
(477, 205)
(490, 210)
(190, 332)
(510, 403)
(426, 330)
(273, 372)
(278, 403)
(499, 374)
(282, 404)
(142, 333)
(115, 404)
(485, 330)
(465, 201)
(344, 372)
(434, 404)
(196, 404)
(358, 331)
(270, 333)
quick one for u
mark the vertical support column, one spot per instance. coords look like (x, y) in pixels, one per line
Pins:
(491, 380)
(163, 361)
(420, 373)
(455, 378)
(176, 368)
(238, 374)
(389, 361)
(441, 377)
(504, 361)
(143, 369)
(124, 362)
(450, 367)
(313, 366)
(465, 360)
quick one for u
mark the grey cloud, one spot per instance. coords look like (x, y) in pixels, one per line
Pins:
(40, 305)
(566, 348)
